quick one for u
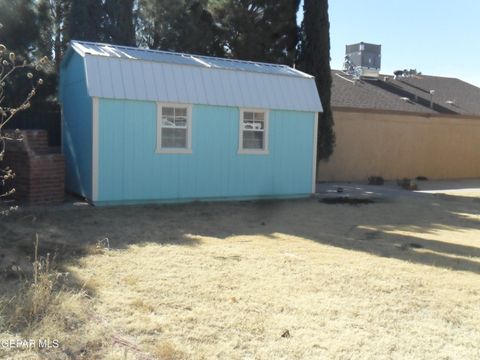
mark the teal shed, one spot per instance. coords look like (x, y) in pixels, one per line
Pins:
(141, 125)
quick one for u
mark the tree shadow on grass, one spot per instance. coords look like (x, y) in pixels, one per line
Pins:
(401, 228)
(417, 250)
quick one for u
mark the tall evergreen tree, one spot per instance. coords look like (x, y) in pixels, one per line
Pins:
(314, 59)
(179, 25)
(52, 42)
(51, 17)
(120, 23)
(86, 20)
(260, 30)
(20, 30)
(20, 35)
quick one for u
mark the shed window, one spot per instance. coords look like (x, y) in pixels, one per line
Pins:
(253, 132)
(174, 129)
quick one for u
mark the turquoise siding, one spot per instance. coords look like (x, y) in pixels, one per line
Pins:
(131, 171)
(76, 127)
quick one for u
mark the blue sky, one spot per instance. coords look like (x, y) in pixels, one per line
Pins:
(436, 37)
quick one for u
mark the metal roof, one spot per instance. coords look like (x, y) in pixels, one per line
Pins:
(121, 72)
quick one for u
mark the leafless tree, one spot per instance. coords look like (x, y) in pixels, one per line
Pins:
(10, 67)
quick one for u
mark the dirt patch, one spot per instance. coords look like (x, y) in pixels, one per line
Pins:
(347, 200)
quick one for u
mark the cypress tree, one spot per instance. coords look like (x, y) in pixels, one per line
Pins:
(120, 27)
(314, 59)
(51, 17)
(259, 30)
(179, 25)
(86, 21)
(20, 31)
(19, 34)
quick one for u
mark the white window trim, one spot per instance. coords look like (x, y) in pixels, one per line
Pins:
(263, 151)
(188, 149)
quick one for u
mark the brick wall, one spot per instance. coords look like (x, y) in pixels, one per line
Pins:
(39, 170)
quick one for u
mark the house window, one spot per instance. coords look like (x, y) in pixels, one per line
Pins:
(174, 128)
(253, 132)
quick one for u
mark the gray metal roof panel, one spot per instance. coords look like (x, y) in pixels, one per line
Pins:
(123, 77)
(126, 52)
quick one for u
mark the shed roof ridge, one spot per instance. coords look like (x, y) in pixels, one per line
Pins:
(193, 56)
(300, 77)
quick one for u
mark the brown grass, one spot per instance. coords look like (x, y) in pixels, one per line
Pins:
(391, 280)
(31, 301)
(165, 350)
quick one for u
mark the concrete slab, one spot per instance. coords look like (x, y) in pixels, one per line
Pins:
(464, 188)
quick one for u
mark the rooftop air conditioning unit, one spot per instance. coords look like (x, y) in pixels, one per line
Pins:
(363, 60)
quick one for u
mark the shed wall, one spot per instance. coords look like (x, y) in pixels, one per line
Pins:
(129, 169)
(76, 127)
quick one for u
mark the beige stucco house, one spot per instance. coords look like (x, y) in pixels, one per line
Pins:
(403, 126)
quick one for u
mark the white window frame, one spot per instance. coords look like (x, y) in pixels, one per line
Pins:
(164, 150)
(263, 151)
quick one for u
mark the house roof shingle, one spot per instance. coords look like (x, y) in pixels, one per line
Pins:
(408, 94)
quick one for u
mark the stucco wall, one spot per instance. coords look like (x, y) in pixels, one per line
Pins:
(395, 145)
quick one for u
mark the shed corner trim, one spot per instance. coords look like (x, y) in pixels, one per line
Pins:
(95, 147)
(314, 154)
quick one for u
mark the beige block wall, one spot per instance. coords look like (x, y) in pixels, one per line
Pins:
(396, 145)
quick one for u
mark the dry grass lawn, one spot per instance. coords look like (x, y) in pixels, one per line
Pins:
(397, 279)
